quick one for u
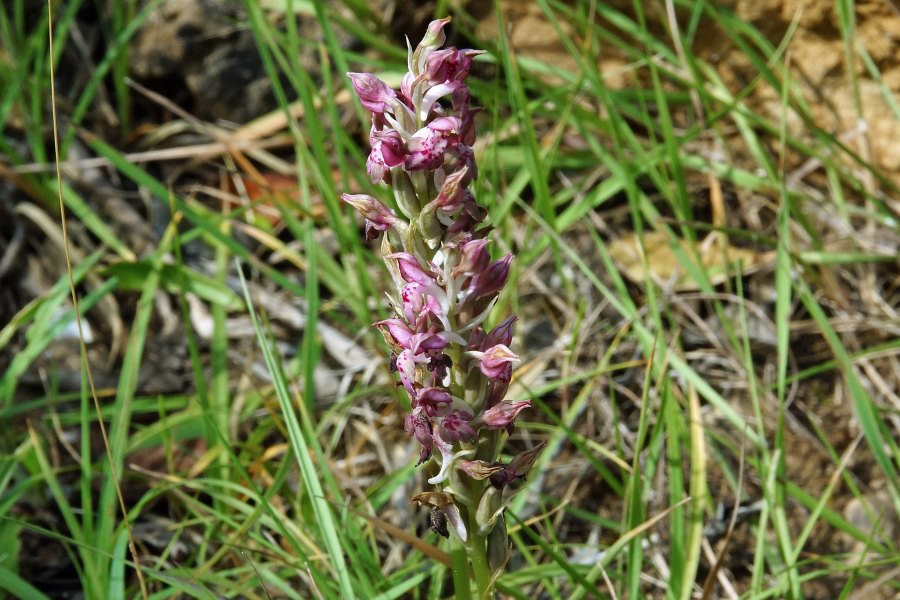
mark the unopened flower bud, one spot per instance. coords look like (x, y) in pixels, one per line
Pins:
(523, 461)
(396, 332)
(434, 38)
(492, 279)
(497, 389)
(378, 216)
(449, 64)
(449, 198)
(468, 219)
(476, 339)
(473, 258)
(503, 414)
(518, 467)
(374, 94)
(411, 270)
(502, 333)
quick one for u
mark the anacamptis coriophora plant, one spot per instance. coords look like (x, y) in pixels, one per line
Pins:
(437, 250)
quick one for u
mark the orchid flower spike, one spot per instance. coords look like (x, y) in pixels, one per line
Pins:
(436, 246)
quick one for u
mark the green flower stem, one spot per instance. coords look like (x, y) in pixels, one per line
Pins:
(459, 558)
(477, 545)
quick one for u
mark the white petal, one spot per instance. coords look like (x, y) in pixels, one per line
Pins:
(480, 318)
(432, 96)
(446, 463)
(438, 260)
(454, 519)
(438, 293)
(453, 337)
(397, 126)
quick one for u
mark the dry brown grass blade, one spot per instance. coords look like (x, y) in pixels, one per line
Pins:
(277, 120)
(196, 151)
(14, 176)
(419, 544)
(108, 307)
(84, 353)
(217, 133)
(713, 572)
(873, 587)
(632, 533)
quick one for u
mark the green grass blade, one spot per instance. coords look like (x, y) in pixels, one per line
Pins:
(302, 452)
(18, 587)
